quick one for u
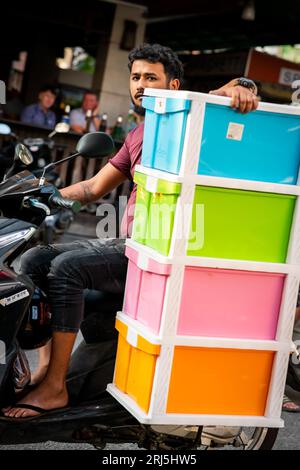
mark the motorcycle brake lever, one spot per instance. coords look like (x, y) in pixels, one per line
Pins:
(30, 202)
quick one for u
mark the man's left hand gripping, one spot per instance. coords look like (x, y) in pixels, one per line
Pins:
(242, 99)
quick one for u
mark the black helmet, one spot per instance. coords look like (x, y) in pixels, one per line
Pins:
(36, 331)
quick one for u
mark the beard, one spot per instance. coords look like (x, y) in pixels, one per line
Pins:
(138, 109)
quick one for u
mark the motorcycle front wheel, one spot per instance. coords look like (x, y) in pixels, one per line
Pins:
(212, 438)
(244, 439)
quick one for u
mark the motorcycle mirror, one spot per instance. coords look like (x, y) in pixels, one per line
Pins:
(5, 129)
(95, 145)
(60, 128)
(23, 153)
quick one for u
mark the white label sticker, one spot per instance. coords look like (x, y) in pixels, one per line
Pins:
(132, 337)
(151, 184)
(143, 261)
(235, 131)
(160, 105)
(14, 298)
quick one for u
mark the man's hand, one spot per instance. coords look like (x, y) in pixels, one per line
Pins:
(243, 99)
(77, 128)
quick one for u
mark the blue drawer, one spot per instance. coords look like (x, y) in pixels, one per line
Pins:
(262, 146)
(164, 134)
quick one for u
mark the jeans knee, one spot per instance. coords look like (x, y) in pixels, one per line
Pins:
(32, 259)
(62, 266)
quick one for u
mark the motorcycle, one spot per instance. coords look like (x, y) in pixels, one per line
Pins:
(39, 152)
(25, 202)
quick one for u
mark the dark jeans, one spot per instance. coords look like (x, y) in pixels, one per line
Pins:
(65, 271)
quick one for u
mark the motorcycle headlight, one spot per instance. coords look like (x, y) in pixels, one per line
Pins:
(14, 237)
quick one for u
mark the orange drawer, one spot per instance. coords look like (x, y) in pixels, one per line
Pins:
(135, 365)
(219, 381)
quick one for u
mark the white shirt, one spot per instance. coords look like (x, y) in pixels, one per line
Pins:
(77, 118)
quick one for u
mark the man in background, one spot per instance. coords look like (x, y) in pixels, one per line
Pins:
(40, 114)
(86, 118)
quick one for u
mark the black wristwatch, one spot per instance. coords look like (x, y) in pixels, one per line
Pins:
(247, 83)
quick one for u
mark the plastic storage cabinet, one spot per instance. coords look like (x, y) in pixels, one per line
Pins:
(214, 264)
(196, 133)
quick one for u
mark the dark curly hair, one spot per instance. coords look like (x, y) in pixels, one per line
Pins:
(155, 53)
(48, 87)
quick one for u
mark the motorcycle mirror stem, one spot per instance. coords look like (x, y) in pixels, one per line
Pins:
(54, 164)
(9, 171)
(23, 154)
(91, 145)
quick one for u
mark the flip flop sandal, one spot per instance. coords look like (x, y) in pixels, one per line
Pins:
(39, 410)
(286, 401)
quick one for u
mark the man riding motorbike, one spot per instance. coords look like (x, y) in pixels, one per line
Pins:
(65, 271)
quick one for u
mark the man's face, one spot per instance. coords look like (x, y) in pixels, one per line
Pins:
(90, 101)
(146, 75)
(46, 99)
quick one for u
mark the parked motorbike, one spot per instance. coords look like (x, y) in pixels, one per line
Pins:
(25, 202)
(41, 154)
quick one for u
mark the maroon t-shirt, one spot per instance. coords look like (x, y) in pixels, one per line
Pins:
(125, 160)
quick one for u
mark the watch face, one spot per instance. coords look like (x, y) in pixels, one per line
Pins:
(245, 82)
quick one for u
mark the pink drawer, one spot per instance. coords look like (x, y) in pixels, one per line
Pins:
(145, 290)
(230, 303)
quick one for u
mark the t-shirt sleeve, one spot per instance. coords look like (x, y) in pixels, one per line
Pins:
(121, 161)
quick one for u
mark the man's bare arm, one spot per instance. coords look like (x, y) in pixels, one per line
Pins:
(90, 190)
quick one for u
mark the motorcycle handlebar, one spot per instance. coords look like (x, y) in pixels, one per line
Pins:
(58, 201)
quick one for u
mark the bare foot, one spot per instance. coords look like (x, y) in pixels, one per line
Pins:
(43, 396)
